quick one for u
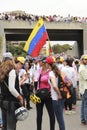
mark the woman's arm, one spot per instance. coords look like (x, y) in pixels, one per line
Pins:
(11, 84)
(54, 85)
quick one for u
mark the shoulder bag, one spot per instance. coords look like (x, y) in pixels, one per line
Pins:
(43, 93)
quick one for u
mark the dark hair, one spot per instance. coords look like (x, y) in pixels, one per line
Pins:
(69, 61)
(55, 69)
(28, 64)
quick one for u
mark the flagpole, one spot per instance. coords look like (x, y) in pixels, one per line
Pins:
(48, 47)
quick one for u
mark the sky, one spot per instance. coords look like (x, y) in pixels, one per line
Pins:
(46, 7)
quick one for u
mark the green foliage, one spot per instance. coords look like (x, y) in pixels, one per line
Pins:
(60, 48)
(16, 50)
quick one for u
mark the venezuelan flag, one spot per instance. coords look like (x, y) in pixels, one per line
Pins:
(36, 40)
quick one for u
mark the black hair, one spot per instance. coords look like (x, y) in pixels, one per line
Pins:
(69, 61)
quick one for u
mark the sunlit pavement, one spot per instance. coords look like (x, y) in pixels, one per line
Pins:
(72, 121)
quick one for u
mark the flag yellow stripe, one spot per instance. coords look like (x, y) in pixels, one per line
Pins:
(33, 33)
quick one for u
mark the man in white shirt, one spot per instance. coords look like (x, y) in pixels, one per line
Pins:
(83, 88)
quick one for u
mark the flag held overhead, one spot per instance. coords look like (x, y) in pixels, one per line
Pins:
(36, 40)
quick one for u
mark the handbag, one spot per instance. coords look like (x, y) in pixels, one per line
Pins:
(43, 93)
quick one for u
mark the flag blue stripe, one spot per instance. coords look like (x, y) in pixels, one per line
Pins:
(36, 39)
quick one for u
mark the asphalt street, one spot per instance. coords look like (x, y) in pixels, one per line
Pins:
(72, 122)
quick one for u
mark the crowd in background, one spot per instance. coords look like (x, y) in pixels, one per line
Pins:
(28, 71)
(51, 18)
(33, 74)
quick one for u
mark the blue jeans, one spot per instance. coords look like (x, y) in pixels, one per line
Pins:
(58, 109)
(84, 108)
(1, 122)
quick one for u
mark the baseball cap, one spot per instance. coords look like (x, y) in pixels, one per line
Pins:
(7, 55)
(21, 59)
(61, 59)
(43, 59)
(50, 59)
(83, 57)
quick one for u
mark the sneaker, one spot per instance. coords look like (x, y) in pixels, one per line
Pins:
(1, 125)
(83, 123)
(70, 112)
(28, 108)
(73, 112)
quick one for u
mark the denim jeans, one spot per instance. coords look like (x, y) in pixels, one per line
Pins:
(1, 122)
(84, 107)
(8, 116)
(58, 109)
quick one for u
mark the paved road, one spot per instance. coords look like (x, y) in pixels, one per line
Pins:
(72, 121)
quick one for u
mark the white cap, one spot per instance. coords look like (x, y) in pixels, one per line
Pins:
(7, 55)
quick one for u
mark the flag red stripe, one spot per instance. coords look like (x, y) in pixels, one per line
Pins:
(39, 45)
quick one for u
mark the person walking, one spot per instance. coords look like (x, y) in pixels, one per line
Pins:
(71, 75)
(43, 78)
(11, 97)
(83, 88)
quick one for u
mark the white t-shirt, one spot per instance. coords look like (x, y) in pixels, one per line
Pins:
(35, 68)
(29, 77)
(71, 74)
(22, 72)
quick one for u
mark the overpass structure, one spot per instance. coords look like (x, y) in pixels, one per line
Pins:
(62, 31)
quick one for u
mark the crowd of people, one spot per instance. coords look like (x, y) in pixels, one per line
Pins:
(25, 76)
(51, 18)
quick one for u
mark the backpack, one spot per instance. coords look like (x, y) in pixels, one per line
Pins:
(68, 83)
(65, 85)
(61, 87)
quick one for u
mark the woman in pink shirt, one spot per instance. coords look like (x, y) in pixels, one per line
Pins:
(43, 80)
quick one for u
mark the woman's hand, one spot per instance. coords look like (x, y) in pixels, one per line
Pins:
(59, 96)
(20, 98)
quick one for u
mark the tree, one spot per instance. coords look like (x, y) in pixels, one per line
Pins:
(16, 50)
(60, 48)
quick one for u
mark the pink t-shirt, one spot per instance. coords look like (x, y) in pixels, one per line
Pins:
(43, 80)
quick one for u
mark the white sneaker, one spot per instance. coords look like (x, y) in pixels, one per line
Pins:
(70, 112)
(73, 112)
